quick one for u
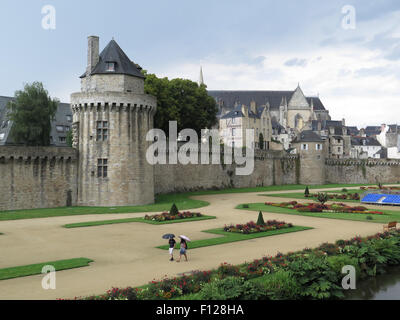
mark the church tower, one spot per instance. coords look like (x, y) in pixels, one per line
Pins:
(112, 116)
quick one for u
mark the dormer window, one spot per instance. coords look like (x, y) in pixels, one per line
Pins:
(110, 66)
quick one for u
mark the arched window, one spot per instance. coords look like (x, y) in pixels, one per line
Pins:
(298, 122)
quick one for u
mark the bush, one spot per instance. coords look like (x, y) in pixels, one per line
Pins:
(337, 263)
(227, 270)
(306, 192)
(280, 285)
(245, 206)
(344, 190)
(315, 277)
(231, 288)
(322, 197)
(260, 220)
(174, 210)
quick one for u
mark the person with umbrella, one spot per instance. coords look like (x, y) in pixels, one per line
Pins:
(183, 247)
(171, 242)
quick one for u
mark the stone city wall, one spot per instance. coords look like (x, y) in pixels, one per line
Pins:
(37, 177)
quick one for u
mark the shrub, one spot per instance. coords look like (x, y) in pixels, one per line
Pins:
(322, 197)
(280, 285)
(306, 192)
(260, 220)
(344, 190)
(369, 218)
(226, 270)
(174, 210)
(337, 263)
(245, 206)
(316, 279)
(231, 288)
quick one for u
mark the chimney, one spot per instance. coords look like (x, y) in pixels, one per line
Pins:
(93, 53)
(253, 106)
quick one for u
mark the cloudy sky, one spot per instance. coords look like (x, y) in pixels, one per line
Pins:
(248, 45)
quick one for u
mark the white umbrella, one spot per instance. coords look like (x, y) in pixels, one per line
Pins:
(184, 238)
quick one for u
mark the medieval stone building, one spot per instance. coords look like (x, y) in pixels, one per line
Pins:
(112, 116)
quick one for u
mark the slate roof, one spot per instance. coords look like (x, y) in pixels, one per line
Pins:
(373, 130)
(352, 130)
(383, 153)
(308, 136)
(60, 119)
(359, 141)
(113, 53)
(237, 113)
(230, 98)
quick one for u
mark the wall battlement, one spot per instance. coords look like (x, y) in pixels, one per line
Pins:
(37, 177)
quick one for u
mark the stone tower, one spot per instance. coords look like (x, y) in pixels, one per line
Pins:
(112, 116)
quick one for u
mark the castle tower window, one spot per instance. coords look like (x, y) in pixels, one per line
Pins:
(102, 168)
(60, 128)
(69, 118)
(304, 146)
(102, 131)
(110, 66)
(62, 139)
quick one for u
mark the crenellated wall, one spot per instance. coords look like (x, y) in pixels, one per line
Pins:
(270, 168)
(362, 171)
(37, 177)
(45, 177)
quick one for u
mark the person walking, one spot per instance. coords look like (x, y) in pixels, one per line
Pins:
(171, 242)
(183, 249)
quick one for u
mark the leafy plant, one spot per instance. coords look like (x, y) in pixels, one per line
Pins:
(322, 197)
(280, 285)
(306, 192)
(315, 277)
(231, 288)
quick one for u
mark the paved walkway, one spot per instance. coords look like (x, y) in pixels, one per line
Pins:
(125, 254)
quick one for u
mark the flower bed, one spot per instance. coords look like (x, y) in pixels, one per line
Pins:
(165, 216)
(337, 196)
(252, 227)
(380, 188)
(329, 208)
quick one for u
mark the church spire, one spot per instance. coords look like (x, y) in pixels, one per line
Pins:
(201, 79)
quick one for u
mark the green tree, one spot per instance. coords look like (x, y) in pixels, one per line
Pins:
(69, 138)
(260, 220)
(32, 111)
(174, 210)
(261, 141)
(306, 192)
(183, 101)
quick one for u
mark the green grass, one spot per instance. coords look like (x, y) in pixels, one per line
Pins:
(162, 203)
(33, 269)
(227, 237)
(389, 215)
(130, 220)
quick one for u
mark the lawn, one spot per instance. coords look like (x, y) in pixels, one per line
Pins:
(33, 269)
(162, 203)
(227, 237)
(389, 215)
(130, 220)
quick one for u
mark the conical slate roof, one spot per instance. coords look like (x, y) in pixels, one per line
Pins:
(123, 65)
